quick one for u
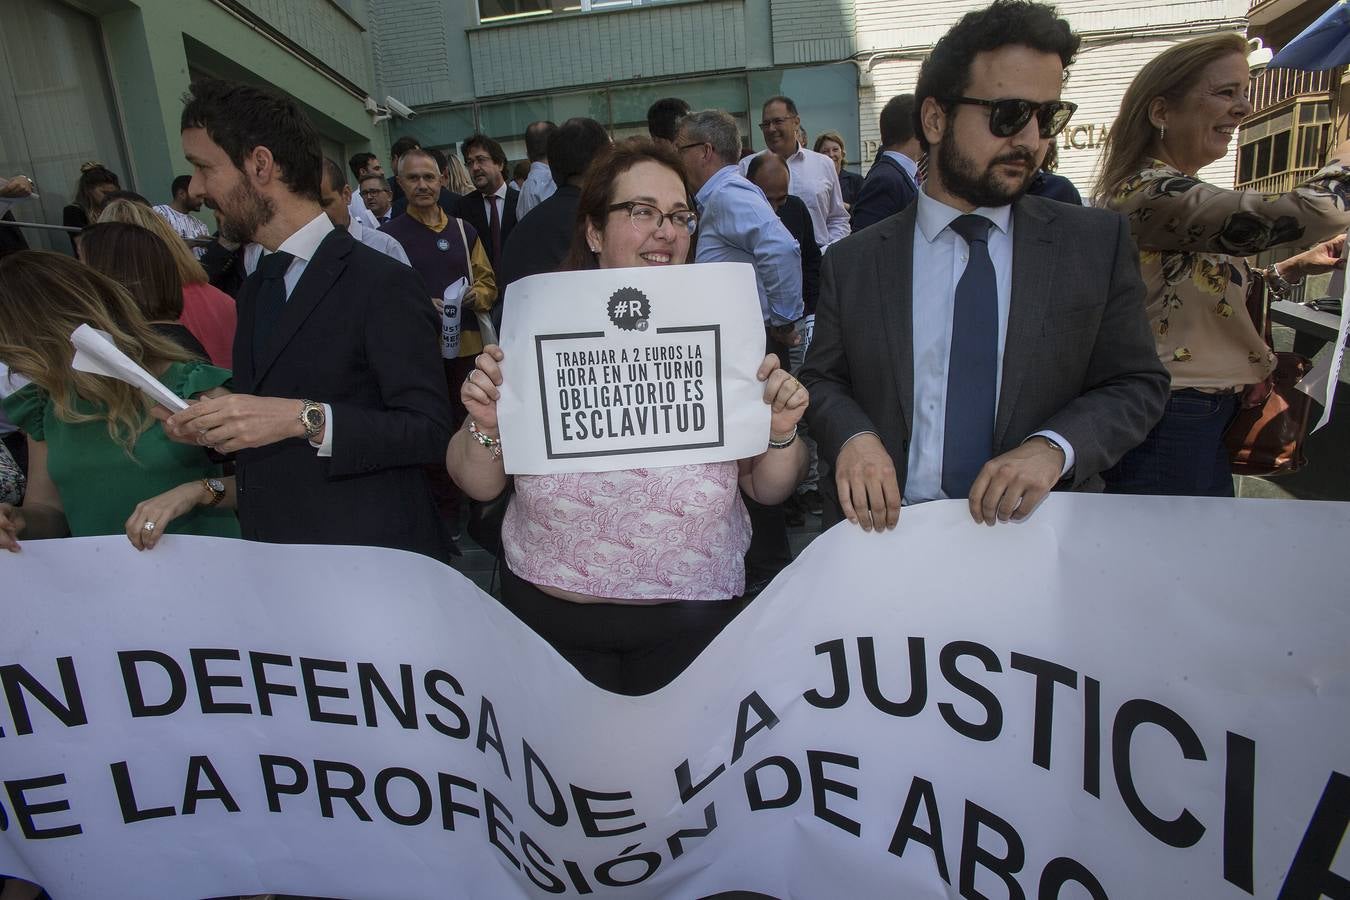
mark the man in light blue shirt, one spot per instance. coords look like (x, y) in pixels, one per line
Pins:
(538, 185)
(982, 345)
(736, 222)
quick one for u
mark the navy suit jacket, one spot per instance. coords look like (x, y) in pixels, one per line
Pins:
(359, 334)
(886, 190)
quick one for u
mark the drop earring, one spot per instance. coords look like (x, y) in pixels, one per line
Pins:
(1162, 132)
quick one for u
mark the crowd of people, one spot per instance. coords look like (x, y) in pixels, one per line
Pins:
(959, 323)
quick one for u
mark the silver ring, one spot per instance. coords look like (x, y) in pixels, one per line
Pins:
(148, 526)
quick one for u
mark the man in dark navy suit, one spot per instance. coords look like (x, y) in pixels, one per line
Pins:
(893, 180)
(340, 396)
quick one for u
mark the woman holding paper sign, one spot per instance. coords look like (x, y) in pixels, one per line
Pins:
(1179, 115)
(628, 574)
(95, 465)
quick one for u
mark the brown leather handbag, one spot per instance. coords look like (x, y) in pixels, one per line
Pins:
(1271, 426)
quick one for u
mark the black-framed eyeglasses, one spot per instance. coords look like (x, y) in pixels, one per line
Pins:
(683, 147)
(648, 218)
(1008, 117)
(371, 192)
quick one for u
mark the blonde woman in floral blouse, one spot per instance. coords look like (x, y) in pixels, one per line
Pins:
(1179, 115)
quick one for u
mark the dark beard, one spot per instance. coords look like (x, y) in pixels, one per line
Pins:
(982, 189)
(245, 212)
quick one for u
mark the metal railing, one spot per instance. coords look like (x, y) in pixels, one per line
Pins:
(1274, 86)
(1279, 183)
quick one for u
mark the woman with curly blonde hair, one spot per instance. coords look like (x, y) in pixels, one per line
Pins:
(1179, 115)
(97, 461)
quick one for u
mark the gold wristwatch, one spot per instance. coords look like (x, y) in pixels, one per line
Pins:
(311, 417)
(216, 488)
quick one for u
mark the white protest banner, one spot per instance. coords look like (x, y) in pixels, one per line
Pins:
(1122, 697)
(625, 368)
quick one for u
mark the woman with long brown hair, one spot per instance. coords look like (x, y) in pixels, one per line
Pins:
(139, 261)
(628, 574)
(95, 463)
(1179, 115)
(207, 312)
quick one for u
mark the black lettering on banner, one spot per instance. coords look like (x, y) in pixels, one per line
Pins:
(676, 841)
(838, 676)
(1239, 812)
(557, 816)
(488, 716)
(4, 818)
(993, 721)
(650, 861)
(432, 682)
(449, 805)
(129, 661)
(265, 689)
(17, 680)
(194, 793)
(1185, 830)
(1092, 736)
(1063, 870)
(973, 855)
(535, 861)
(1047, 674)
(126, 797)
(314, 691)
(684, 781)
(328, 792)
(590, 818)
(206, 681)
(816, 761)
(765, 718)
(495, 828)
(370, 682)
(26, 811)
(578, 877)
(792, 788)
(1310, 875)
(921, 792)
(418, 815)
(273, 788)
(918, 678)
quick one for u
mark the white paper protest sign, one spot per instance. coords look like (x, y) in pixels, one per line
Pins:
(1063, 708)
(625, 368)
(96, 354)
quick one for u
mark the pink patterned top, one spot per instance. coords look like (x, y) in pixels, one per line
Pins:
(642, 535)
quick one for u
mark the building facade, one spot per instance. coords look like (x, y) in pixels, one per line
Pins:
(103, 81)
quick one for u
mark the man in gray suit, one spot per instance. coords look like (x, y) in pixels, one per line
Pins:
(982, 344)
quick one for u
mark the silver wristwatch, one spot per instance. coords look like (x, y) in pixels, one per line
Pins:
(311, 417)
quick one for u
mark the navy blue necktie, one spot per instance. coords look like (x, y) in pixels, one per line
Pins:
(270, 299)
(972, 368)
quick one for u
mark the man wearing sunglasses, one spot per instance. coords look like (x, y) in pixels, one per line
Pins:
(982, 344)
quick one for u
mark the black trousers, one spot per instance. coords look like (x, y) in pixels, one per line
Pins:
(624, 648)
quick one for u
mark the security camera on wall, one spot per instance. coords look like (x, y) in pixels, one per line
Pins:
(399, 109)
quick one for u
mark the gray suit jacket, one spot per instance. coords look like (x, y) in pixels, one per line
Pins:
(1079, 359)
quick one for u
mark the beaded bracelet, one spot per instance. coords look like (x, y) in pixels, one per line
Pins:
(783, 444)
(493, 445)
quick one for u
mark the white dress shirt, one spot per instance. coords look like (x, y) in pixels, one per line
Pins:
(813, 177)
(303, 245)
(910, 166)
(359, 212)
(537, 188)
(500, 194)
(940, 256)
(378, 240)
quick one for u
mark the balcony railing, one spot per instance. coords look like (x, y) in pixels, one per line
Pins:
(1277, 85)
(1280, 182)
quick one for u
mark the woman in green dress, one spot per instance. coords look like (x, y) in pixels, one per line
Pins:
(98, 463)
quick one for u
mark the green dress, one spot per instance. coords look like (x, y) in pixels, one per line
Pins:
(99, 484)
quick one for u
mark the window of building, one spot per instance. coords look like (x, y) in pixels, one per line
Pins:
(507, 10)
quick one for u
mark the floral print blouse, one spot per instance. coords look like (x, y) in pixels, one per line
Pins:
(11, 479)
(1193, 242)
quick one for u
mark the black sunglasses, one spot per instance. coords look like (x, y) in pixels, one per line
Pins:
(1008, 117)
